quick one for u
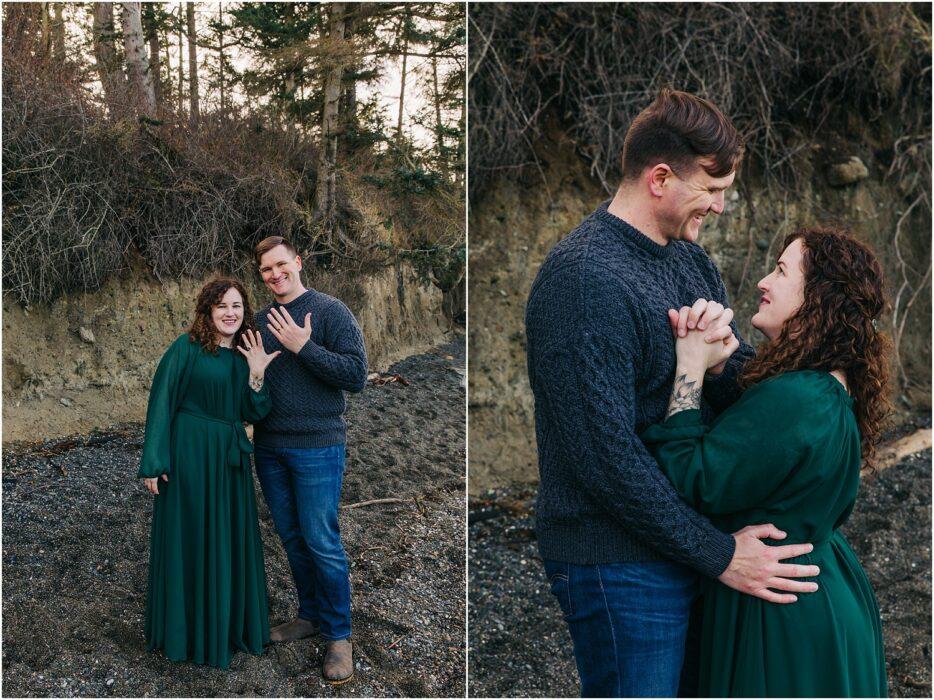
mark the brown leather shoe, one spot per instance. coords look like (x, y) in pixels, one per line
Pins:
(290, 631)
(338, 662)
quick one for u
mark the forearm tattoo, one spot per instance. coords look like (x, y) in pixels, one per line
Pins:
(685, 395)
(256, 383)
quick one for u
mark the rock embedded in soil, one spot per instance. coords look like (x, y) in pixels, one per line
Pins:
(847, 173)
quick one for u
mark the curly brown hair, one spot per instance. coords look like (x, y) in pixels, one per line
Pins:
(202, 328)
(835, 327)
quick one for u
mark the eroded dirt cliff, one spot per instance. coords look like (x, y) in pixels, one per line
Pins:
(86, 360)
(513, 226)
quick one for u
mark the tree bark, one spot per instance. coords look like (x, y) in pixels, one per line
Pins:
(21, 26)
(113, 79)
(220, 53)
(289, 80)
(194, 98)
(58, 34)
(136, 61)
(439, 127)
(155, 56)
(462, 137)
(349, 99)
(45, 36)
(181, 62)
(327, 178)
(405, 56)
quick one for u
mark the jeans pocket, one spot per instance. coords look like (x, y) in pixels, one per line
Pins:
(559, 576)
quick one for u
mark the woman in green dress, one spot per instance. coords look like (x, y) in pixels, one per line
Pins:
(207, 583)
(789, 452)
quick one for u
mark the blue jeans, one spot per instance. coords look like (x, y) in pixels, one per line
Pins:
(628, 622)
(302, 488)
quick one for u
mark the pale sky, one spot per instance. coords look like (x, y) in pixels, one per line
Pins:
(78, 20)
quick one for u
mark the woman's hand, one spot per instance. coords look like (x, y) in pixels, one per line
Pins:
(710, 317)
(153, 484)
(256, 356)
(694, 351)
(695, 355)
(704, 315)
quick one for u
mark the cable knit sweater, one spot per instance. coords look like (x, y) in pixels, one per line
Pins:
(601, 363)
(307, 388)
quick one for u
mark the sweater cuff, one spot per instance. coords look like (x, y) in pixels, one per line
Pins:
(717, 555)
(310, 349)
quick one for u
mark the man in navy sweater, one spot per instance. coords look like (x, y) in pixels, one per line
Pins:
(300, 445)
(621, 549)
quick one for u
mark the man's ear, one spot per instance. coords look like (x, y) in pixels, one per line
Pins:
(658, 177)
(298, 261)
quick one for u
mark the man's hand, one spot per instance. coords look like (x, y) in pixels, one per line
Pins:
(694, 354)
(756, 567)
(704, 315)
(292, 336)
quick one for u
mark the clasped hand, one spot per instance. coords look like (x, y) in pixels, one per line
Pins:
(703, 335)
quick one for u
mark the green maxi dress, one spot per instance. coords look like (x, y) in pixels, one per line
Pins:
(207, 583)
(787, 452)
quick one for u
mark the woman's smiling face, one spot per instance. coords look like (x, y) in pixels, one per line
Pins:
(227, 314)
(782, 291)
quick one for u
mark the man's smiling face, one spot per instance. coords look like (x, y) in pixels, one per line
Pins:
(689, 199)
(280, 271)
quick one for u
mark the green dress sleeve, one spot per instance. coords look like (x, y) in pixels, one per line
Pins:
(750, 451)
(167, 385)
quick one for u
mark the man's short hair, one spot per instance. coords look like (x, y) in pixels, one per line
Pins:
(677, 129)
(267, 244)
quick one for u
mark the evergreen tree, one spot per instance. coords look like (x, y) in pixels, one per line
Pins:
(277, 35)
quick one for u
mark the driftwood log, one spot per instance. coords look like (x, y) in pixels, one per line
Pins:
(894, 452)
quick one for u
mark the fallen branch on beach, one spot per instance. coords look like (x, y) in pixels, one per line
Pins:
(377, 501)
(894, 452)
(912, 683)
(380, 379)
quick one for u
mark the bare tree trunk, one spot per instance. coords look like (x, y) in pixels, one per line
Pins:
(195, 110)
(439, 127)
(58, 34)
(21, 25)
(181, 62)
(136, 62)
(349, 98)
(327, 178)
(155, 57)
(220, 53)
(462, 128)
(290, 81)
(405, 56)
(45, 36)
(113, 79)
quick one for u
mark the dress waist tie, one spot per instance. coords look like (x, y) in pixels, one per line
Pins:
(239, 444)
